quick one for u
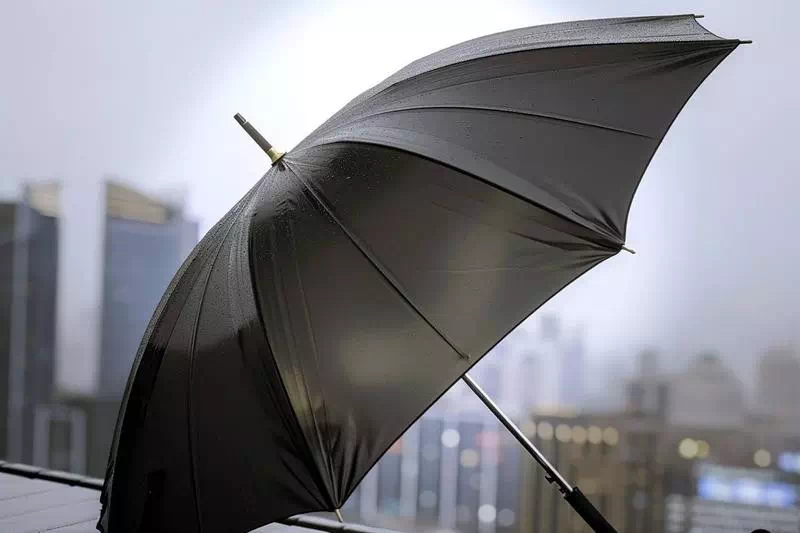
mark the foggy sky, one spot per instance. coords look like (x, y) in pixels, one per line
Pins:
(145, 92)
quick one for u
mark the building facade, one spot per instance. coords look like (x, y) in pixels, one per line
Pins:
(144, 242)
(777, 390)
(454, 471)
(29, 250)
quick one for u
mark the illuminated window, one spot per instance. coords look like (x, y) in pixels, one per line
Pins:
(545, 430)
(578, 434)
(529, 428)
(688, 448)
(595, 435)
(703, 449)
(762, 458)
(469, 458)
(610, 436)
(487, 513)
(450, 438)
(563, 433)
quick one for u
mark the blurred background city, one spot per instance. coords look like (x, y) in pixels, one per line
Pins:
(666, 384)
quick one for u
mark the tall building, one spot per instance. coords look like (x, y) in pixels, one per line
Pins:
(778, 386)
(28, 272)
(572, 387)
(550, 328)
(144, 240)
(648, 392)
(547, 349)
(643, 473)
(707, 394)
(528, 380)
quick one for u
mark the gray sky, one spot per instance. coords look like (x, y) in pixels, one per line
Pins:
(145, 91)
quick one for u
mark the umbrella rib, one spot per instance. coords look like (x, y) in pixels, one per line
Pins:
(520, 234)
(584, 223)
(499, 109)
(192, 349)
(375, 262)
(349, 111)
(323, 442)
(303, 438)
(296, 434)
(152, 327)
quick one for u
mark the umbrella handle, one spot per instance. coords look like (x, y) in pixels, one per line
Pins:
(572, 495)
(593, 518)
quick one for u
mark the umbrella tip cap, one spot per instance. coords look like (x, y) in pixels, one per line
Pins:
(240, 119)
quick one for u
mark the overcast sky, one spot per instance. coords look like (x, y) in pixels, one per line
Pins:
(145, 91)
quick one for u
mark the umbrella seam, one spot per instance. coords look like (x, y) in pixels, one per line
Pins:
(710, 43)
(153, 325)
(501, 109)
(385, 273)
(304, 444)
(320, 437)
(321, 470)
(192, 349)
(263, 372)
(616, 246)
(719, 61)
(551, 244)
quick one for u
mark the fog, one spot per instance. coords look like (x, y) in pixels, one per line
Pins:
(145, 92)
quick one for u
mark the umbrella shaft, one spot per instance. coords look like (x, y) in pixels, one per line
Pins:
(553, 475)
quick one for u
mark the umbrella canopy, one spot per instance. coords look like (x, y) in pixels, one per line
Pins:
(382, 257)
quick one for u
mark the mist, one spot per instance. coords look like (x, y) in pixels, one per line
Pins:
(145, 93)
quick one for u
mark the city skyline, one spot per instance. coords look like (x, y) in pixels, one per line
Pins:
(58, 407)
(122, 75)
(456, 469)
(314, 325)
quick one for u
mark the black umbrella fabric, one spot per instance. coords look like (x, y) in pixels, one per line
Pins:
(381, 258)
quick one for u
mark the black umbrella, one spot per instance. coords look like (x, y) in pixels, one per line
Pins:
(380, 259)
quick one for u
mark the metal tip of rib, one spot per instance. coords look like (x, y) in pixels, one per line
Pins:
(629, 250)
(698, 16)
(746, 42)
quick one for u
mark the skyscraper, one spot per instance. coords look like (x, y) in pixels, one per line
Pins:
(28, 272)
(528, 381)
(144, 240)
(778, 386)
(707, 394)
(547, 346)
(572, 388)
(648, 391)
